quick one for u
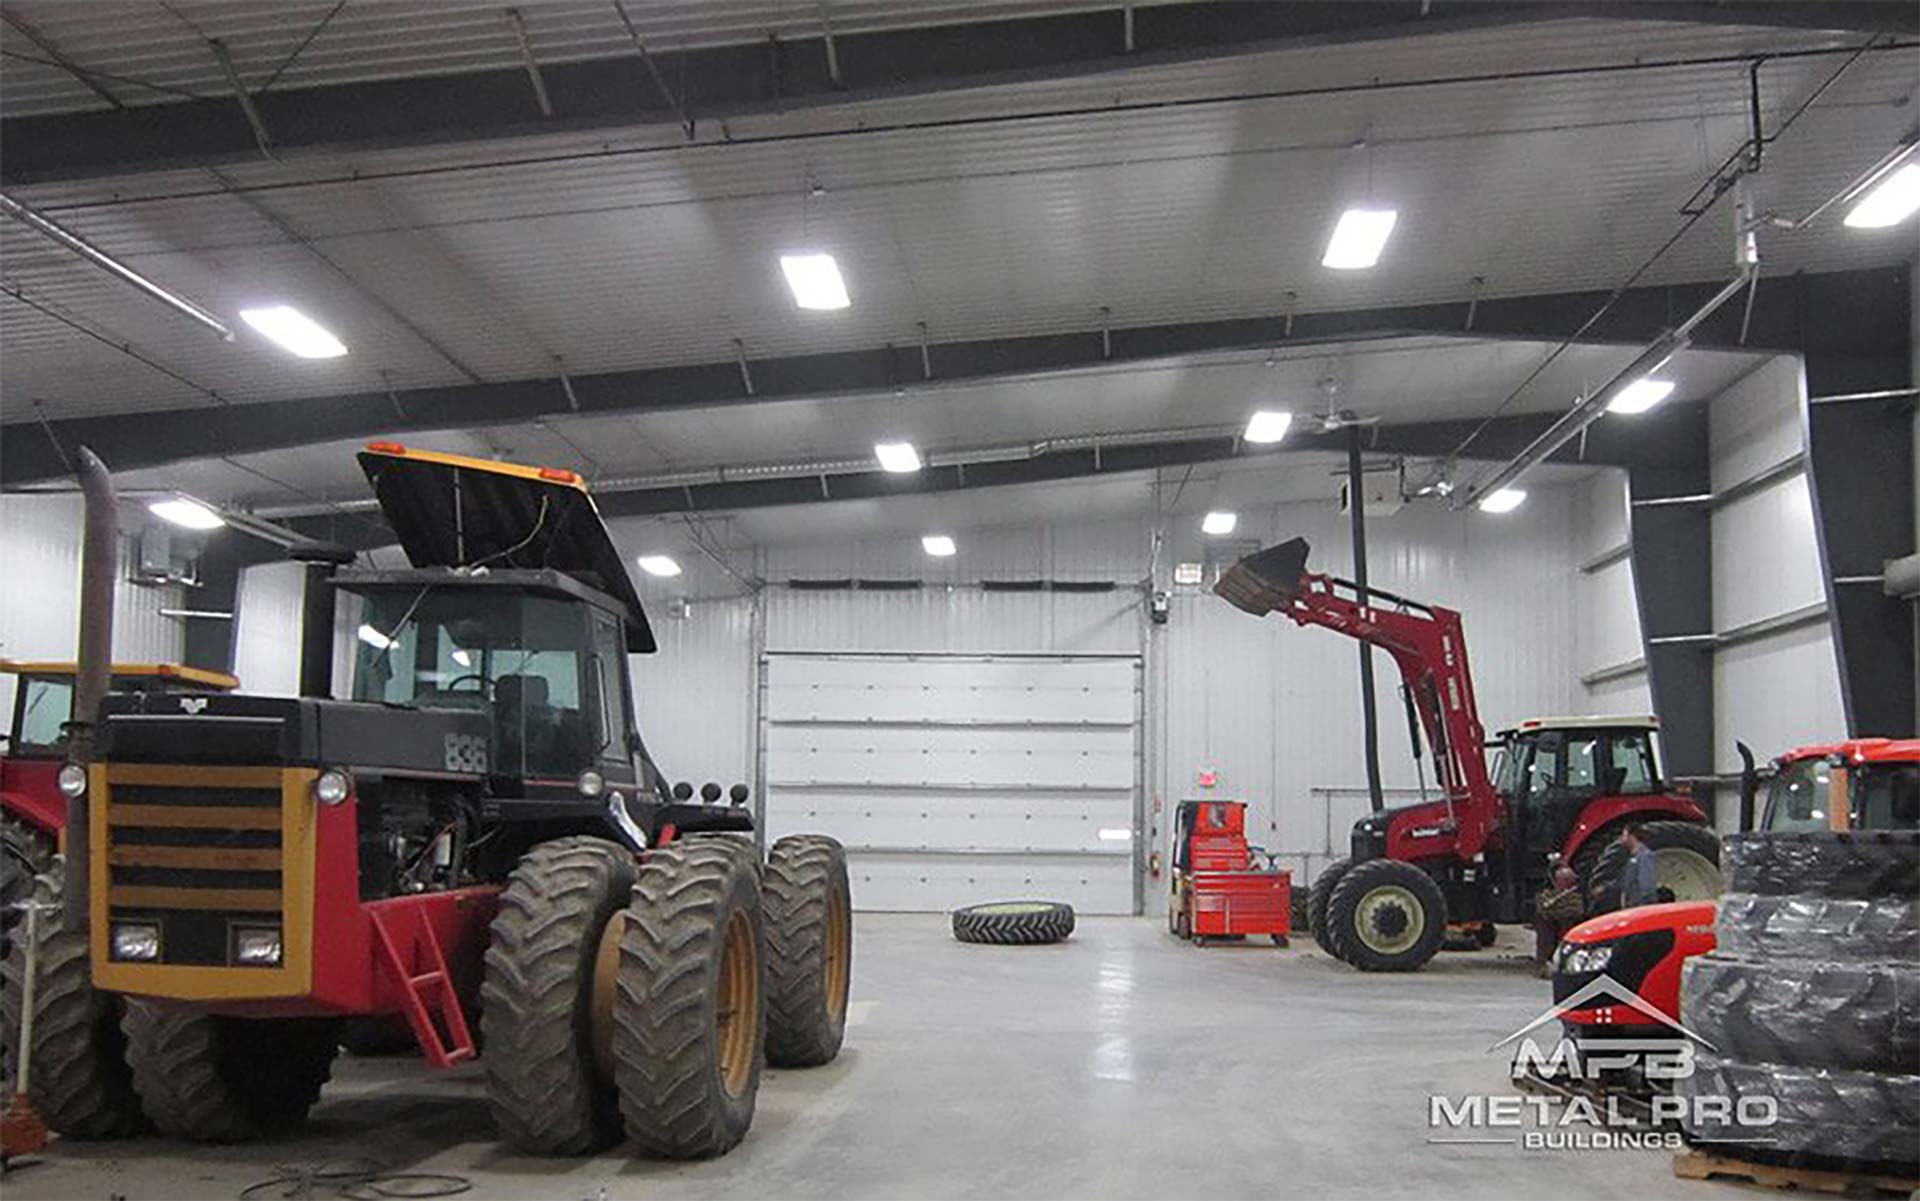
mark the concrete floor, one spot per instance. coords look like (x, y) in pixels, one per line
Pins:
(1118, 1064)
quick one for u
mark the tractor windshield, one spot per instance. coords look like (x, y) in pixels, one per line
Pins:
(549, 672)
(1879, 796)
(45, 704)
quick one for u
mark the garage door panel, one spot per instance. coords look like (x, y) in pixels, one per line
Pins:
(933, 820)
(959, 779)
(935, 755)
(923, 883)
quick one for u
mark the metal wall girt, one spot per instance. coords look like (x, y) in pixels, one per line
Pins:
(1860, 472)
(1852, 325)
(678, 87)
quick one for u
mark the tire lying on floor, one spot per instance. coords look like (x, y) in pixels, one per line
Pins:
(1014, 923)
(1861, 1016)
(1838, 929)
(1880, 863)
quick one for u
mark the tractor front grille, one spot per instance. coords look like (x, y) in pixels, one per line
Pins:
(196, 858)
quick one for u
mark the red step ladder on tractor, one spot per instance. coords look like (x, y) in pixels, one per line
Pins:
(410, 951)
(1218, 892)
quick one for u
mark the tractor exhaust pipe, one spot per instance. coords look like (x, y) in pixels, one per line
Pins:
(1266, 580)
(317, 615)
(99, 560)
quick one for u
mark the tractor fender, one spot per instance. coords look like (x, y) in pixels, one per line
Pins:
(43, 809)
(1612, 811)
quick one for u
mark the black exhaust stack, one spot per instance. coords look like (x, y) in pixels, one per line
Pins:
(99, 561)
(317, 615)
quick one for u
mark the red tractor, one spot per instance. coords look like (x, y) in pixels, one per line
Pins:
(1561, 790)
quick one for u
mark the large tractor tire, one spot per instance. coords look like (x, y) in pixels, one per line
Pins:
(1386, 916)
(1851, 1120)
(25, 852)
(1864, 1017)
(808, 909)
(690, 1016)
(80, 1084)
(547, 999)
(1317, 895)
(211, 1079)
(1686, 857)
(1844, 929)
(1014, 923)
(1880, 863)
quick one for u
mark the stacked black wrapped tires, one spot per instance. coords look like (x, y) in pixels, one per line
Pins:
(1809, 1007)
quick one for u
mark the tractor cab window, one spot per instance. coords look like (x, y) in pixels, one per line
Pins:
(529, 662)
(45, 704)
(1542, 773)
(1887, 797)
(1797, 796)
(1632, 769)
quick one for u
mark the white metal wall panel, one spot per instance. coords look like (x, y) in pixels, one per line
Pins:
(266, 629)
(694, 696)
(960, 779)
(40, 593)
(1783, 689)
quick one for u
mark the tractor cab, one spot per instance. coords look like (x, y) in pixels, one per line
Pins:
(1551, 772)
(1863, 784)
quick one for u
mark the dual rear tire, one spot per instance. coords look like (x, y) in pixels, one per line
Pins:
(643, 998)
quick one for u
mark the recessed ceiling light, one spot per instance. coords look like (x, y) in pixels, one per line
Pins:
(294, 331)
(815, 280)
(938, 545)
(660, 565)
(897, 457)
(1359, 238)
(374, 638)
(1268, 425)
(1890, 202)
(1506, 500)
(1219, 522)
(190, 514)
(1641, 395)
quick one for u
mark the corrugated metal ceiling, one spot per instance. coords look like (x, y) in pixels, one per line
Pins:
(638, 251)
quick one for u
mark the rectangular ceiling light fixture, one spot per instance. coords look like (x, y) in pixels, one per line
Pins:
(188, 514)
(938, 545)
(1889, 202)
(1268, 425)
(294, 331)
(901, 458)
(1359, 238)
(1506, 500)
(660, 565)
(815, 280)
(1219, 522)
(1640, 395)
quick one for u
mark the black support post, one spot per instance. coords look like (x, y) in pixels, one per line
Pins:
(1357, 515)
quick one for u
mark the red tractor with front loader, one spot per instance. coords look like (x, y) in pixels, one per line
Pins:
(476, 843)
(1561, 790)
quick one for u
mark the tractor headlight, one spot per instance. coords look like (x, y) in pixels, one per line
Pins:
(332, 786)
(591, 783)
(256, 946)
(138, 942)
(1578, 958)
(72, 781)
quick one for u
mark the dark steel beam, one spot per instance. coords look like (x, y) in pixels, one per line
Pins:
(1860, 472)
(1663, 439)
(1851, 324)
(793, 73)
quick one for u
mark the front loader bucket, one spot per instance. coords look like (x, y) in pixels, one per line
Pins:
(1266, 579)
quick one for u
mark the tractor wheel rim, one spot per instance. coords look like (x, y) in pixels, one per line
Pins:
(737, 1004)
(1689, 874)
(606, 986)
(1384, 908)
(839, 953)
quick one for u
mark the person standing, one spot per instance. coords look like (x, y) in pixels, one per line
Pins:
(1640, 879)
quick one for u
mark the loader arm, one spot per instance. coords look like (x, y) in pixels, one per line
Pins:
(1427, 645)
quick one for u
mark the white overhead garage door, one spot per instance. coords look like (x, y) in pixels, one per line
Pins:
(956, 779)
